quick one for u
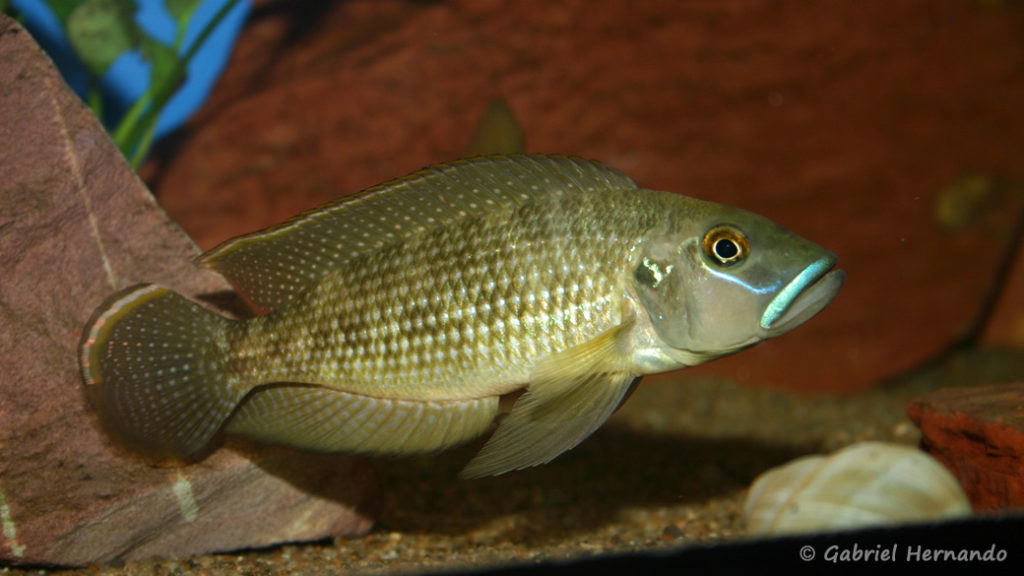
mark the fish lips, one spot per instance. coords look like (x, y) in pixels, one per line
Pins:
(805, 295)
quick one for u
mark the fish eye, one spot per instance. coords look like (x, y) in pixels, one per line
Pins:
(725, 245)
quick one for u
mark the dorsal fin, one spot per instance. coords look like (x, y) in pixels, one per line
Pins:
(273, 266)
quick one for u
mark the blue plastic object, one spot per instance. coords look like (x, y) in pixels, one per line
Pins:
(129, 76)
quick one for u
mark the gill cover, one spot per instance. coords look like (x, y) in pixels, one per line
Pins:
(727, 280)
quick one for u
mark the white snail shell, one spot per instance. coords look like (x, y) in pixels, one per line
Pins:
(865, 484)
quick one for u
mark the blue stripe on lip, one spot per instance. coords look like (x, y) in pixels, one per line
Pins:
(785, 297)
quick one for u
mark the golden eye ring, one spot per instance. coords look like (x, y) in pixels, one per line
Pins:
(725, 245)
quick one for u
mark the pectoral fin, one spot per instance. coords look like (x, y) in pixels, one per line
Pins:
(570, 395)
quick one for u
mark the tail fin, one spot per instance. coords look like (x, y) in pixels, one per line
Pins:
(153, 362)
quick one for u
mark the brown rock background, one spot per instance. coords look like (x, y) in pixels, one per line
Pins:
(76, 225)
(841, 120)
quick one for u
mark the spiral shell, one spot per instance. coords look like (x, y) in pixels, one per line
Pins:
(865, 484)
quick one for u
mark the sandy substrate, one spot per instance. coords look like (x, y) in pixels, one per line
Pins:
(669, 470)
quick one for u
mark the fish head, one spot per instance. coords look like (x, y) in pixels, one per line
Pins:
(718, 279)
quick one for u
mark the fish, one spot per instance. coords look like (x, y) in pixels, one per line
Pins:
(406, 318)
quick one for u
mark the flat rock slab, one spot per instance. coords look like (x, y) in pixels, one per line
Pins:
(978, 433)
(76, 225)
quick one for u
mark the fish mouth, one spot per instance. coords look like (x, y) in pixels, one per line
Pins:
(806, 295)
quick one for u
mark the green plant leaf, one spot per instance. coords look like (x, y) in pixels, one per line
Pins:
(62, 9)
(101, 30)
(135, 131)
(181, 10)
(161, 56)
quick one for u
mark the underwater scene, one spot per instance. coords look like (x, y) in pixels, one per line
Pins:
(435, 286)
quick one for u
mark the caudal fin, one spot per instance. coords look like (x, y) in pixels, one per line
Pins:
(152, 362)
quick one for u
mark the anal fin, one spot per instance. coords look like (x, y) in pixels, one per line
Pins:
(569, 396)
(323, 419)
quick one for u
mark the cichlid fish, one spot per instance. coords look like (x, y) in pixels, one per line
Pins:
(399, 317)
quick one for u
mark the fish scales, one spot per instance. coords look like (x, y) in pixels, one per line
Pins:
(462, 312)
(395, 320)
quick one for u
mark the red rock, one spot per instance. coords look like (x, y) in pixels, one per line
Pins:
(844, 130)
(978, 433)
(75, 225)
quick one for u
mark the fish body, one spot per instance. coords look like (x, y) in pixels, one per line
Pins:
(399, 318)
